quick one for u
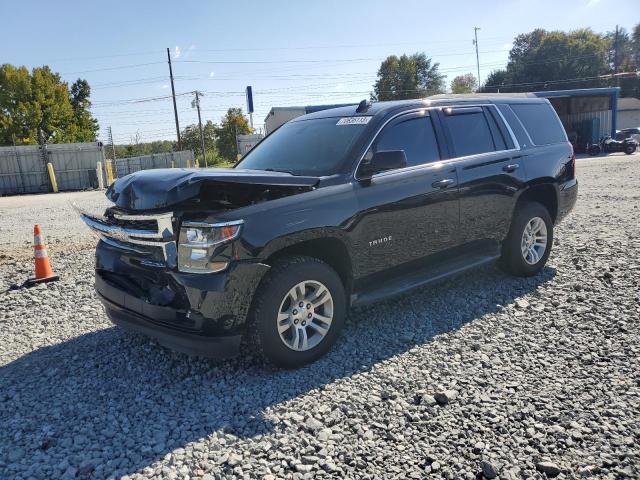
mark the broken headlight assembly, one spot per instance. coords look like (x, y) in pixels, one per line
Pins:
(199, 242)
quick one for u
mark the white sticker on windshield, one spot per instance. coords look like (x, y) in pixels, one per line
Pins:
(353, 121)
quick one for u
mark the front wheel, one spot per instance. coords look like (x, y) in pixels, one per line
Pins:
(298, 312)
(527, 247)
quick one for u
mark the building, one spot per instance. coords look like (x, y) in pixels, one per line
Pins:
(628, 113)
(247, 142)
(280, 115)
(588, 114)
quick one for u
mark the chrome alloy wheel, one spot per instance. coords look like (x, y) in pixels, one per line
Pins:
(305, 315)
(534, 240)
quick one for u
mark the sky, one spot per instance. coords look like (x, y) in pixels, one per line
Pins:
(290, 52)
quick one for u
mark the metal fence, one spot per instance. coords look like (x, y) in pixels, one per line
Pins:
(23, 168)
(125, 166)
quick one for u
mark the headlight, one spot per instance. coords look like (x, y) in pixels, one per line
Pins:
(198, 242)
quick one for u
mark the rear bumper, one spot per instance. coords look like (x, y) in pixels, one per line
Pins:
(191, 344)
(567, 197)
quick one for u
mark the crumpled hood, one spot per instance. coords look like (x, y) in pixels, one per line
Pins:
(160, 188)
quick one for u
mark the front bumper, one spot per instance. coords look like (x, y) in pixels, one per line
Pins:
(199, 314)
(189, 343)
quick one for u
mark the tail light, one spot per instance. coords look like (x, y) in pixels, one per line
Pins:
(572, 164)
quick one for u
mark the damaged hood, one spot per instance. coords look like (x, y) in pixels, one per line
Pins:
(160, 188)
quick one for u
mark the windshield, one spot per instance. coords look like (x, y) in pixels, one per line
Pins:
(309, 147)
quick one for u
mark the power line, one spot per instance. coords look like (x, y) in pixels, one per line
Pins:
(565, 80)
(119, 67)
(338, 60)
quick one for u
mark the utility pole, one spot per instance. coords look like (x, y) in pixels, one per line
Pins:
(173, 93)
(615, 56)
(113, 147)
(475, 42)
(204, 151)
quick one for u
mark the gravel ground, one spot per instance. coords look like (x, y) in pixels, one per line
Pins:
(481, 375)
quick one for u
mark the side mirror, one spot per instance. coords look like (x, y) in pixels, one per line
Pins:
(381, 161)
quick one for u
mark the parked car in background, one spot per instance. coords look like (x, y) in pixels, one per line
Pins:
(334, 209)
(608, 145)
(632, 133)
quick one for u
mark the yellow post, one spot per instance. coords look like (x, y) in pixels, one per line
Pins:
(99, 175)
(109, 166)
(188, 163)
(173, 164)
(52, 177)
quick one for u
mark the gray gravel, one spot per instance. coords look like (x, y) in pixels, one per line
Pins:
(484, 375)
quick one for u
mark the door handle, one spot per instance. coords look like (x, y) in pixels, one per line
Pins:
(444, 183)
(511, 167)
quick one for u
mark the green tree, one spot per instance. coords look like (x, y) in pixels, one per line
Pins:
(87, 126)
(142, 148)
(466, 83)
(190, 137)
(40, 104)
(622, 53)
(542, 60)
(635, 41)
(496, 81)
(234, 123)
(404, 77)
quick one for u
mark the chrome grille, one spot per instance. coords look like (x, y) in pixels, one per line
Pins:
(135, 233)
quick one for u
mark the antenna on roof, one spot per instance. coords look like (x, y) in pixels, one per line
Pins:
(363, 106)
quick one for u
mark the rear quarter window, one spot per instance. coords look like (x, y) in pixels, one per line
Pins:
(541, 122)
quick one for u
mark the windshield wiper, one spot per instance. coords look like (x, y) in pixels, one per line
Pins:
(290, 172)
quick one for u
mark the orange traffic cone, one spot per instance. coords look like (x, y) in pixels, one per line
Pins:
(44, 272)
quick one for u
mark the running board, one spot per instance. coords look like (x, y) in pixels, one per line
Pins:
(423, 277)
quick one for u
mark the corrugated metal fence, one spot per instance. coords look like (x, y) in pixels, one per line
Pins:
(23, 169)
(125, 166)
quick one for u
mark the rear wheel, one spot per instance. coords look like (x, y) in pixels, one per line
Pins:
(527, 247)
(629, 149)
(298, 312)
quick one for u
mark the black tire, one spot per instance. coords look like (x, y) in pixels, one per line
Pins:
(284, 275)
(513, 260)
(629, 149)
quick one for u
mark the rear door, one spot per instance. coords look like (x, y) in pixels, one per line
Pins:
(489, 167)
(411, 212)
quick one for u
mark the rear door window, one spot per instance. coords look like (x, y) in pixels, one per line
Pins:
(415, 135)
(541, 122)
(516, 126)
(469, 130)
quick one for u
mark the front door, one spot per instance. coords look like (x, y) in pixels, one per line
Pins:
(411, 212)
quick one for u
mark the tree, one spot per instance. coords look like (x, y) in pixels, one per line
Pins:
(87, 126)
(234, 123)
(542, 60)
(191, 140)
(39, 104)
(623, 57)
(466, 83)
(496, 81)
(406, 77)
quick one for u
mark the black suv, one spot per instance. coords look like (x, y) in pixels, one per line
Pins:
(337, 208)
